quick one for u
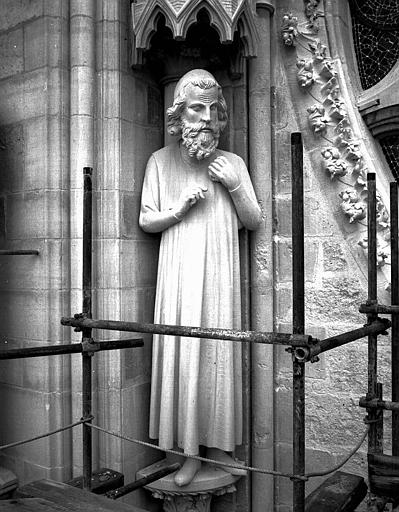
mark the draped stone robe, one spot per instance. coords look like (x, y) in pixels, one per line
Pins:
(196, 390)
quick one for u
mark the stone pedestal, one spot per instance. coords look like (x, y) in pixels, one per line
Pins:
(195, 497)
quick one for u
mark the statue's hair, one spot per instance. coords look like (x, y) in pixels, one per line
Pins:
(175, 111)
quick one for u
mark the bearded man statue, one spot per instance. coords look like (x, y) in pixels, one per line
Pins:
(198, 197)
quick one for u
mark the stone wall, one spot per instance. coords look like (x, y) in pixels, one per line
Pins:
(335, 264)
(34, 290)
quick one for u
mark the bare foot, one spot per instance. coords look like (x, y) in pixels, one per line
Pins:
(221, 456)
(187, 472)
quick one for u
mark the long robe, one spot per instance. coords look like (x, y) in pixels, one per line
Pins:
(196, 389)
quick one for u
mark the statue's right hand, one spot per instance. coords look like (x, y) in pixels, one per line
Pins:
(188, 197)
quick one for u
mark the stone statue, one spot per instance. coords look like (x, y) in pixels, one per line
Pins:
(198, 197)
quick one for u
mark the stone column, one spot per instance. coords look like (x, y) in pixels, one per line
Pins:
(262, 279)
(82, 58)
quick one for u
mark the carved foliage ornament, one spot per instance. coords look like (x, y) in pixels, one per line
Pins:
(343, 156)
(226, 16)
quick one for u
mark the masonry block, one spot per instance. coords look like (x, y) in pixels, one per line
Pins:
(56, 8)
(108, 214)
(108, 305)
(283, 219)
(11, 53)
(25, 218)
(42, 413)
(81, 85)
(348, 420)
(318, 220)
(131, 163)
(136, 413)
(282, 178)
(12, 154)
(283, 404)
(14, 12)
(2, 220)
(334, 259)
(107, 269)
(41, 272)
(138, 304)
(284, 304)
(337, 300)
(139, 263)
(111, 42)
(46, 374)
(33, 315)
(136, 363)
(108, 169)
(134, 99)
(11, 371)
(130, 214)
(347, 366)
(46, 43)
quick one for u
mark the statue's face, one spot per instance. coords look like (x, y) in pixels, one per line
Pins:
(201, 106)
(200, 122)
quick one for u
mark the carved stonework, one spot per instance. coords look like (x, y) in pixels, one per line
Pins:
(226, 16)
(343, 154)
(194, 497)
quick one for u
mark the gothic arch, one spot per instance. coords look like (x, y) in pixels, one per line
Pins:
(226, 17)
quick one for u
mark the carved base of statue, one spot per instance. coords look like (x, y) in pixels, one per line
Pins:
(195, 497)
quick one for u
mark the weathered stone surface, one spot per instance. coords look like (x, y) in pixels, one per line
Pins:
(334, 259)
(39, 417)
(338, 298)
(11, 53)
(14, 12)
(47, 43)
(25, 219)
(12, 156)
(41, 272)
(135, 274)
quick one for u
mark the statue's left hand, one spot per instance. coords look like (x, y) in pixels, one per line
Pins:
(222, 170)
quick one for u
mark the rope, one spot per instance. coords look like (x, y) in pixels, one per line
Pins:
(304, 478)
(202, 459)
(195, 457)
(18, 443)
(351, 454)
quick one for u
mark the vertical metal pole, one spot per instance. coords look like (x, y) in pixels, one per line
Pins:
(395, 318)
(86, 333)
(375, 439)
(298, 291)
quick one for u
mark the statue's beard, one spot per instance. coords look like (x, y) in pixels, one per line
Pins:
(200, 144)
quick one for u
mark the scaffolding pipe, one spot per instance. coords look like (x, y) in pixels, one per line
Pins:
(295, 340)
(86, 332)
(379, 404)
(379, 326)
(379, 309)
(19, 252)
(138, 484)
(395, 318)
(298, 324)
(73, 348)
(374, 416)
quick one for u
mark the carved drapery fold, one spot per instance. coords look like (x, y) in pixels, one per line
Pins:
(226, 16)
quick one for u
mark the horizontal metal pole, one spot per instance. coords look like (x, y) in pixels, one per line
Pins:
(20, 252)
(379, 309)
(379, 326)
(138, 484)
(73, 348)
(299, 340)
(378, 404)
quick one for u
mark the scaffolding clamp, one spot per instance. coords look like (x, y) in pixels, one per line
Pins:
(89, 346)
(79, 316)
